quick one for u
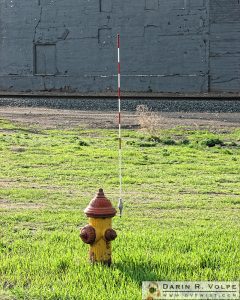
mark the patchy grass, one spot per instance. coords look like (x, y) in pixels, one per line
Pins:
(181, 214)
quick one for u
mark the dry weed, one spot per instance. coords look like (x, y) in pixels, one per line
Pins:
(148, 119)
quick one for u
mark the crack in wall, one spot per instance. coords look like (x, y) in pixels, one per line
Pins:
(39, 21)
(223, 54)
(64, 34)
(224, 81)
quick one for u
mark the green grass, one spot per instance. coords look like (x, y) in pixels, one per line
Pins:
(181, 213)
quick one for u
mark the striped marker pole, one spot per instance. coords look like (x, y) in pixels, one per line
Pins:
(120, 202)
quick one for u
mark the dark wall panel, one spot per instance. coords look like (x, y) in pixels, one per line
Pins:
(225, 45)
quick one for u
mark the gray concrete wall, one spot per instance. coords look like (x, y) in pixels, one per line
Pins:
(166, 45)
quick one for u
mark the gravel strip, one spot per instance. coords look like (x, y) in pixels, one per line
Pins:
(108, 104)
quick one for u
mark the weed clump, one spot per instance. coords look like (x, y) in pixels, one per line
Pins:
(83, 143)
(131, 143)
(165, 152)
(141, 143)
(169, 142)
(147, 144)
(185, 142)
(154, 139)
(148, 120)
(211, 142)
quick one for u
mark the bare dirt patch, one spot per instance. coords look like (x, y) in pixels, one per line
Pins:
(7, 204)
(58, 118)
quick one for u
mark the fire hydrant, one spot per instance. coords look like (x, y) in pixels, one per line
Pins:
(99, 232)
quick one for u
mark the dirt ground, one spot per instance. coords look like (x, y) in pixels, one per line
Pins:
(57, 118)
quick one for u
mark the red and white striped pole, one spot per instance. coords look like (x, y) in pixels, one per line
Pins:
(120, 202)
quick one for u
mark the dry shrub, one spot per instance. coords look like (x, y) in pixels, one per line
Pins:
(148, 119)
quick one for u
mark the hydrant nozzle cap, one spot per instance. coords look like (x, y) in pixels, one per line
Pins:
(100, 207)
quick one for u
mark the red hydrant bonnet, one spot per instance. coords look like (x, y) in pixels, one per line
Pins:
(100, 207)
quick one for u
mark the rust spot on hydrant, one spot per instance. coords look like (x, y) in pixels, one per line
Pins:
(99, 232)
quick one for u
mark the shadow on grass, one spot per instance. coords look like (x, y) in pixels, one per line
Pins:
(137, 271)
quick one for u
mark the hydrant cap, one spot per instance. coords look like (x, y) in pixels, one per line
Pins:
(100, 207)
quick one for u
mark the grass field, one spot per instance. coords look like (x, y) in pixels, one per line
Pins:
(181, 214)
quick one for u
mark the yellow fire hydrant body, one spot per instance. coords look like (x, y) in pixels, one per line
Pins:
(99, 232)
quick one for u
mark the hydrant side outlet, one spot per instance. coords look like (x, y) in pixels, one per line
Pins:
(110, 235)
(99, 232)
(88, 234)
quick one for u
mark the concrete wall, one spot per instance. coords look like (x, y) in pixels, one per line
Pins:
(166, 45)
